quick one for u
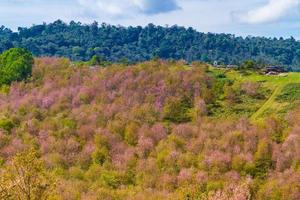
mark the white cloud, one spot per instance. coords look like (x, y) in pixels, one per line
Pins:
(272, 11)
(98, 7)
(117, 8)
(156, 6)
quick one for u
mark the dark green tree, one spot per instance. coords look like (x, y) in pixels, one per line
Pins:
(79, 41)
(96, 60)
(249, 65)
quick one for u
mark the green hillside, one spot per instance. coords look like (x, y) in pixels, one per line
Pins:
(276, 94)
(282, 86)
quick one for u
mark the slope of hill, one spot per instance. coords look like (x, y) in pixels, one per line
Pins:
(283, 94)
(155, 130)
(81, 42)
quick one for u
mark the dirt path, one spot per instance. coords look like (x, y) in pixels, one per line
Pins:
(268, 103)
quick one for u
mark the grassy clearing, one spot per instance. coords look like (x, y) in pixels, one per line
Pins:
(268, 104)
(279, 86)
(281, 94)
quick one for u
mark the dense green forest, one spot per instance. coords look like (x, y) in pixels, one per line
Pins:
(117, 43)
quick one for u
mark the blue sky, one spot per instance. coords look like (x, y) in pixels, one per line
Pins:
(241, 17)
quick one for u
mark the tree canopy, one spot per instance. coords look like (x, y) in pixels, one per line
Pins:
(15, 65)
(81, 42)
(25, 178)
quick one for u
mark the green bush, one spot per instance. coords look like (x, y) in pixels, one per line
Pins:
(100, 155)
(111, 179)
(214, 185)
(290, 93)
(238, 163)
(131, 135)
(96, 60)
(2, 161)
(6, 125)
(177, 110)
(263, 159)
(15, 65)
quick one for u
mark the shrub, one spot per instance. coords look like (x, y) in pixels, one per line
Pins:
(263, 159)
(100, 155)
(76, 173)
(231, 94)
(276, 128)
(290, 93)
(178, 109)
(111, 179)
(131, 133)
(96, 60)
(214, 185)
(250, 88)
(6, 125)
(238, 163)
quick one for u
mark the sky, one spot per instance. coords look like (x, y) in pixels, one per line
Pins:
(270, 18)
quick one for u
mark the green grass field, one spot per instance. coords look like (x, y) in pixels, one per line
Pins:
(283, 93)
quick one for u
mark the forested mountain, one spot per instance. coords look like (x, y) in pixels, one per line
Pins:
(80, 42)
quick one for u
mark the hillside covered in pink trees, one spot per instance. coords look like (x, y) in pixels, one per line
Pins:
(155, 130)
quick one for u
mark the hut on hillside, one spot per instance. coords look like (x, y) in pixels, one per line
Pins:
(274, 70)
